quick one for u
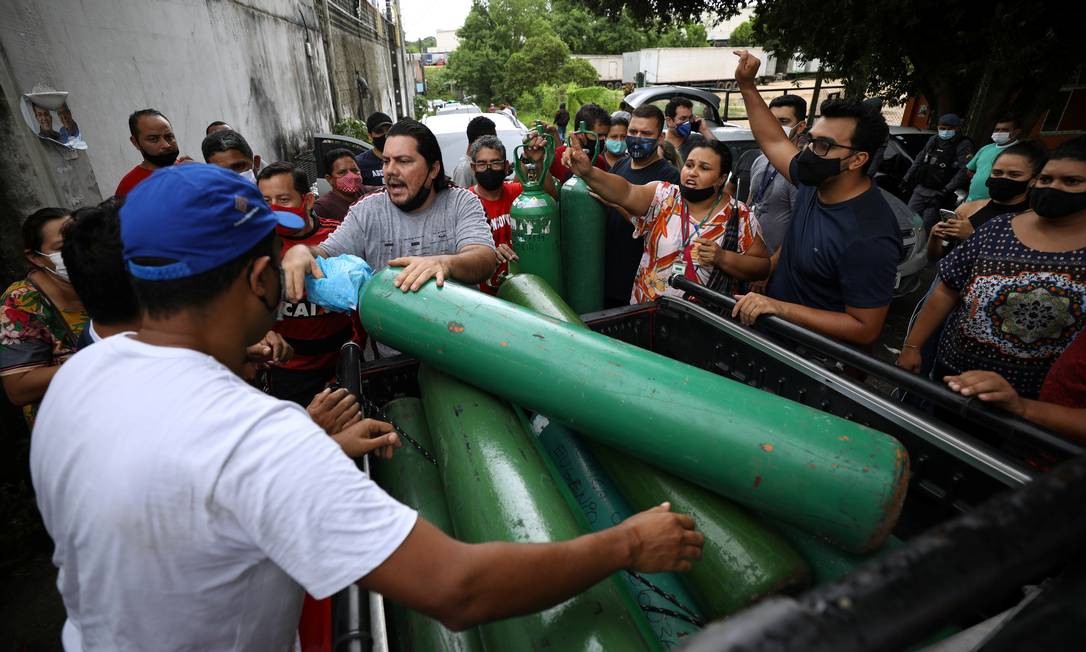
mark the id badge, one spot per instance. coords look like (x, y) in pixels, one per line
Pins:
(678, 267)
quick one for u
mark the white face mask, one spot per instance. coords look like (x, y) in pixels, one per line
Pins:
(1001, 137)
(788, 131)
(248, 175)
(58, 262)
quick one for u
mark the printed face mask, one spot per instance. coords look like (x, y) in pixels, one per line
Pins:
(640, 148)
(349, 184)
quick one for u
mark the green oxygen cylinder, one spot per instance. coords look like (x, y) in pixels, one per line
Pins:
(830, 476)
(537, 229)
(498, 489)
(415, 481)
(598, 504)
(583, 233)
(742, 560)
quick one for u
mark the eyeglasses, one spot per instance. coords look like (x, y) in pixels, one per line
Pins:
(822, 146)
(483, 166)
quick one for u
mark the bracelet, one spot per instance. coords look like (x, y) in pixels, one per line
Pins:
(909, 346)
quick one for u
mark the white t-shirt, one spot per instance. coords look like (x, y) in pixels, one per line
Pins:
(187, 507)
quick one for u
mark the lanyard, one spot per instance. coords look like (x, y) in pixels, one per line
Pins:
(767, 180)
(697, 227)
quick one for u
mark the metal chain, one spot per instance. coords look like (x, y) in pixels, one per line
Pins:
(373, 410)
(689, 616)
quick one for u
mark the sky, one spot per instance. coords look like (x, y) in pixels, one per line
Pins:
(424, 17)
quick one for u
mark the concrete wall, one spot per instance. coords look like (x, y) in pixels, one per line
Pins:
(247, 63)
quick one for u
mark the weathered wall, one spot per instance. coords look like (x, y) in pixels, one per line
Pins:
(358, 46)
(245, 62)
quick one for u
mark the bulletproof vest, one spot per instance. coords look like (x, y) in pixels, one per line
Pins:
(937, 164)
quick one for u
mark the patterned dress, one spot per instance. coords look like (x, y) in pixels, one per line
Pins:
(662, 226)
(1019, 308)
(35, 333)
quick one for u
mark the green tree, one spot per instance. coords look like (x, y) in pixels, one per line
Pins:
(588, 33)
(690, 35)
(980, 59)
(541, 61)
(742, 35)
(579, 73)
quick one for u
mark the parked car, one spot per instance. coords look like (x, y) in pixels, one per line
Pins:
(456, 107)
(706, 104)
(902, 148)
(451, 132)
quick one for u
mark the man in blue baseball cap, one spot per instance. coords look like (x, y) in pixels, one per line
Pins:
(189, 509)
(933, 176)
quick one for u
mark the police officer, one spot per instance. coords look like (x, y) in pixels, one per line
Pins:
(931, 176)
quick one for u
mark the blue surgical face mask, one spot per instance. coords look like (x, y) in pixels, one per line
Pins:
(947, 134)
(640, 148)
(616, 147)
(684, 129)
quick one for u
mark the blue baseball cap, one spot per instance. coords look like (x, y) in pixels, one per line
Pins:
(199, 216)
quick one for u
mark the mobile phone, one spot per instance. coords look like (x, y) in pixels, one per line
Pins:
(946, 215)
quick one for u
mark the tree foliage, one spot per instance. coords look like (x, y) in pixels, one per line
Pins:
(421, 45)
(742, 35)
(974, 58)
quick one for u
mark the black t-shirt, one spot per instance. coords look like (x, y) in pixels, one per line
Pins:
(372, 169)
(622, 253)
(992, 209)
(837, 255)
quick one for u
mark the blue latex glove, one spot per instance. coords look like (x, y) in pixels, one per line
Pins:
(344, 278)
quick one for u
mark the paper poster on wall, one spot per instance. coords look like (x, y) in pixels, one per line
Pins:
(49, 116)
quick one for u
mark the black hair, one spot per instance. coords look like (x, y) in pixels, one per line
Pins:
(224, 141)
(1010, 117)
(673, 105)
(480, 126)
(797, 103)
(562, 105)
(217, 123)
(1074, 149)
(334, 155)
(134, 119)
(870, 132)
(298, 175)
(161, 299)
(1032, 150)
(619, 120)
(426, 143)
(650, 111)
(94, 255)
(33, 224)
(720, 149)
(590, 114)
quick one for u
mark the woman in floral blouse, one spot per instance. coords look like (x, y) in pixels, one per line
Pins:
(41, 316)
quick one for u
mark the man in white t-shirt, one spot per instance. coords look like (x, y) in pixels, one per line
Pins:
(189, 510)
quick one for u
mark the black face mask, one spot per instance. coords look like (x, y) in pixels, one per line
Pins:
(379, 142)
(1004, 189)
(163, 160)
(490, 179)
(695, 195)
(1053, 204)
(812, 169)
(417, 200)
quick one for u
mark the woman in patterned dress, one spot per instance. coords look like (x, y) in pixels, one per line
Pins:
(1015, 291)
(695, 228)
(41, 316)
